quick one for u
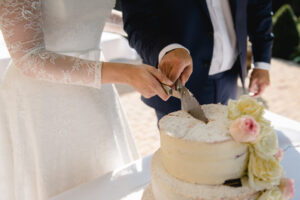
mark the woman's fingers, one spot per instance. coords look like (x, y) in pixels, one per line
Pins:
(158, 90)
(159, 78)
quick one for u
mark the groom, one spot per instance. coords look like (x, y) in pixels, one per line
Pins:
(206, 37)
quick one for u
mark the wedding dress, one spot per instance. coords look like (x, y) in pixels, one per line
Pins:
(59, 127)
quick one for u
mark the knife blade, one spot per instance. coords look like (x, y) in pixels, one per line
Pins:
(188, 102)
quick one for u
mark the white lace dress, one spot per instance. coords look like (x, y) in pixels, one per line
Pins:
(59, 127)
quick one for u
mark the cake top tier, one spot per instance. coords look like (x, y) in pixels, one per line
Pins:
(182, 125)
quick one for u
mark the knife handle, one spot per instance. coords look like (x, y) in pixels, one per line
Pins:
(178, 85)
(167, 89)
(171, 92)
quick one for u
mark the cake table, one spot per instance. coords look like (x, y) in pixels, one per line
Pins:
(129, 182)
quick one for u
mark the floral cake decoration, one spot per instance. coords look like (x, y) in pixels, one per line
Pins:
(264, 170)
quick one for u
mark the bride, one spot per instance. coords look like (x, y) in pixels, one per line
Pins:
(61, 123)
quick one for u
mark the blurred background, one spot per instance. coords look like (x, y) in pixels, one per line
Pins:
(282, 97)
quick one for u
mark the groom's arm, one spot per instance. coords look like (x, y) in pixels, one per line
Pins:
(261, 37)
(150, 37)
(260, 29)
(146, 34)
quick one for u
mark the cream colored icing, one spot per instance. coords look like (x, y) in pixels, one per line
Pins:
(164, 186)
(201, 153)
(203, 163)
(180, 124)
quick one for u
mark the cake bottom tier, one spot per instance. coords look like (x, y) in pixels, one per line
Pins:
(148, 194)
(165, 187)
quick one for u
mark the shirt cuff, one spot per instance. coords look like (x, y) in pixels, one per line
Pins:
(262, 65)
(168, 48)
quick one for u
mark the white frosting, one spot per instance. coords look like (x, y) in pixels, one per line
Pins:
(148, 194)
(180, 124)
(201, 162)
(165, 186)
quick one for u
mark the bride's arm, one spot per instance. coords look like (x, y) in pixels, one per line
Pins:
(21, 25)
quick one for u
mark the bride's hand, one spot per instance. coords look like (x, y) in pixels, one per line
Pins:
(147, 80)
(144, 78)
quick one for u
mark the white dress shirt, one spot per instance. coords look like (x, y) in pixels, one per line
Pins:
(225, 42)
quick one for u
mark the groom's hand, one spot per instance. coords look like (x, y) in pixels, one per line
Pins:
(259, 81)
(177, 64)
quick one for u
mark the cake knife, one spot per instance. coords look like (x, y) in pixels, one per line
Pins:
(188, 102)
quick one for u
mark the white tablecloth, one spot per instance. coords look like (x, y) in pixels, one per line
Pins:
(128, 182)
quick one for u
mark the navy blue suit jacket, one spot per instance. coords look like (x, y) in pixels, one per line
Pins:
(151, 25)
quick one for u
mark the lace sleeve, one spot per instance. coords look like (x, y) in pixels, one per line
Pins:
(21, 25)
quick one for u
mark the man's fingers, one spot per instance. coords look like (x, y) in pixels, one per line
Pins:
(162, 78)
(259, 81)
(174, 63)
(175, 73)
(185, 75)
(163, 68)
(261, 89)
(253, 85)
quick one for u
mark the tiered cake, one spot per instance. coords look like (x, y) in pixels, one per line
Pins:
(199, 161)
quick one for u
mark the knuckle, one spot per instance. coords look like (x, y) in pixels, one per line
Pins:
(174, 61)
(162, 63)
(153, 87)
(147, 95)
(181, 63)
(166, 60)
(150, 95)
(149, 69)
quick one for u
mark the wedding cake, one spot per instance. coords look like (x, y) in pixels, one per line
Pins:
(235, 156)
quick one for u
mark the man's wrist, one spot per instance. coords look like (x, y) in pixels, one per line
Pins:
(262, 65)
(169, 48)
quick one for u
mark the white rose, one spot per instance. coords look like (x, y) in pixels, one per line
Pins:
(245, 105)
(233, 110)
(272, 194)
(263, 173)
(267, 145)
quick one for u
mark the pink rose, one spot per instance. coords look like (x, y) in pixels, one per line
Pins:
(279, 154)
(287, 188)
(244, 129)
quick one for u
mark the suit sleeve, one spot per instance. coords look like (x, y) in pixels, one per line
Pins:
(260, 29)
(145, 29)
